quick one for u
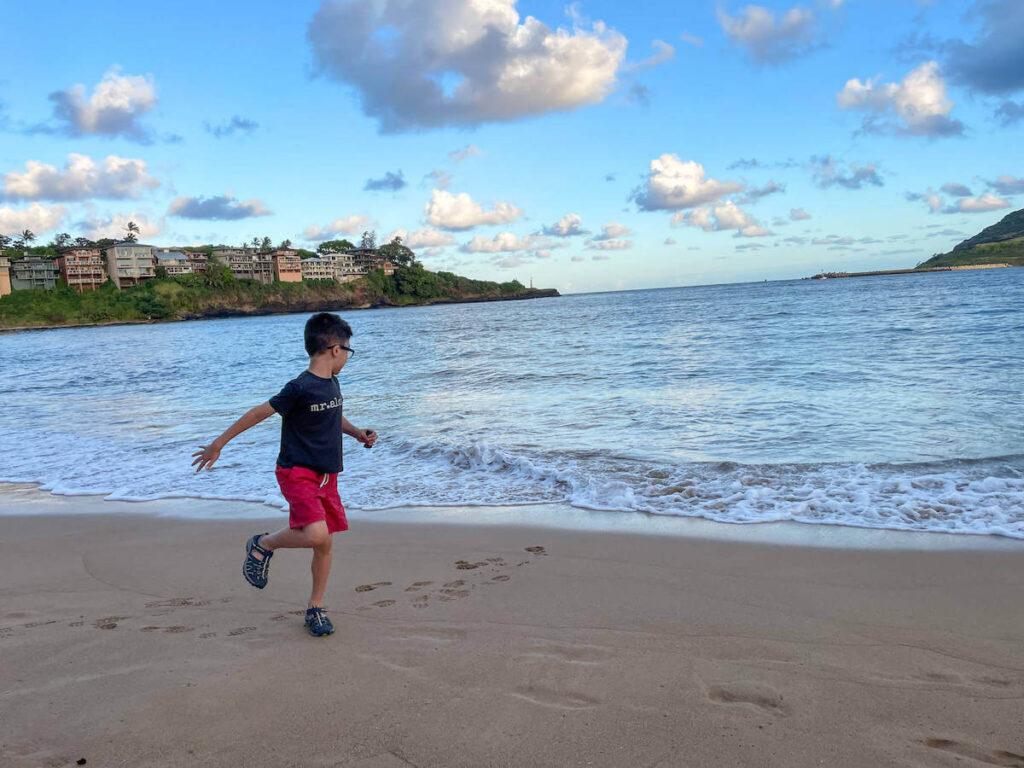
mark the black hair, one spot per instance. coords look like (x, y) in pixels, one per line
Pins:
(324, 330)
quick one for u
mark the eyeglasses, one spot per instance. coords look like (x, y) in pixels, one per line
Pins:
(350, 351)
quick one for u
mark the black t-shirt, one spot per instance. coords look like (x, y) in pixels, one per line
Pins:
(310, 408)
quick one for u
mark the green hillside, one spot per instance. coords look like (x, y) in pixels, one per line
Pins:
(1002, 243)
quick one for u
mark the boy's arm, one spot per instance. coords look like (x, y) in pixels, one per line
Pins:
(365, 436)
(207, 454)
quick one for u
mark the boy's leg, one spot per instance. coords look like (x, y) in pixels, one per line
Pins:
(296, 538)
(321, 568)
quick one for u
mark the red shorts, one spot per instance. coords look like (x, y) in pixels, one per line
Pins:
(310, 499)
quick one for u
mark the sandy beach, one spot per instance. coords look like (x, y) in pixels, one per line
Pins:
(132, 640)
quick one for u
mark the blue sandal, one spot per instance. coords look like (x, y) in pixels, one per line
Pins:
(254, 569)
(318, 623)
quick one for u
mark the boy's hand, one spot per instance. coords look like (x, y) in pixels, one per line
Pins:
(206, 456)
(367, 437)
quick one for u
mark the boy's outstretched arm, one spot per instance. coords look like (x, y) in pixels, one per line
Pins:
(207, 454)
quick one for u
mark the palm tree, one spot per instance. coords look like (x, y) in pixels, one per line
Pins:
(131, 232)
(256, 243)
(26, 237)
(266, 244)
(285, 244)
(59, 241)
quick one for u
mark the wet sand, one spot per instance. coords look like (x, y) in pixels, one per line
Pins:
(132, 640)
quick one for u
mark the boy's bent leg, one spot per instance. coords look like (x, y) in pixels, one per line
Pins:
(296, 538)
(321, 569)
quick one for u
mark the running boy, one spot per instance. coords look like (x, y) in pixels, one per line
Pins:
(308, 463)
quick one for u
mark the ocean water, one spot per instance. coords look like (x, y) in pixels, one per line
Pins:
(890, 402)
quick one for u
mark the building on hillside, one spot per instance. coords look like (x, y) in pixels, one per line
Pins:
(387, 266)
(82, 268)
(365, 259)
(342, 263)
(175, 262)
(5, 276)
(287, 265)
(33, 271)
(197, 261)
(247, 263)
(130, 264)
(315, 268)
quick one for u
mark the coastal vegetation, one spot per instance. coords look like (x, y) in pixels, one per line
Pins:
(218, 292)
(1002, 243)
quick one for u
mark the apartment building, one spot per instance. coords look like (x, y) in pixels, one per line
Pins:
(315, 268)
(33, 272)
(342, 264)
(5, 276)
(197, 261)
(82, 268)
(130, 263)
(175, 262)
(287, 265)
(247, 263)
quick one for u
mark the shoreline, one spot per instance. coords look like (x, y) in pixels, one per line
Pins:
(537, 293)
(133, 640)
(36, 501)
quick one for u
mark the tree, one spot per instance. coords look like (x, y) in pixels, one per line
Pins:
(266, 244)
(334, 246)
(61, 240)
(256, 243)
(285, 244)
(131, 232)
(160, 273)
(5, 242)
(369, 241)
(83, 242)
(217, 274)
(26, 237)
(397, 253)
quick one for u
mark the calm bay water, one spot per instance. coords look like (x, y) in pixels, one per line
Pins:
(893, 402)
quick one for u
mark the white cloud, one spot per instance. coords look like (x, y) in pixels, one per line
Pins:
(82, 178)
(725, 216)
(662, 52)
(984, 203)
(427, 237)
(1007, 185)
(798, 214)
(36, 217)
(345, 225)
(770, 39)
(611, 231)
(505, 242)
(219, 207)
(113, 109)
(673, 184)
(609, 245)
(567, 226)
(113, 226)
(689, 39)
(462, 155)
(449, 211)
(919, 102)
(440, 179)
(461, 62)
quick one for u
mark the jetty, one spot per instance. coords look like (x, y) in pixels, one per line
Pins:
(876, 273)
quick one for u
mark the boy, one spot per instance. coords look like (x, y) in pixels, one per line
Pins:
(308, 462)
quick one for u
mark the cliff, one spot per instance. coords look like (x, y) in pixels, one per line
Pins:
(1001, 243)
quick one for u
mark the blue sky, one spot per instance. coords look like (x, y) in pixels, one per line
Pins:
(602, 145)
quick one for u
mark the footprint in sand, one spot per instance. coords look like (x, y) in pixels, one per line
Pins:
(39, 623)
(420, 602)
(177, 630)
(206, 635)
(76, 623)
(972, 752)
(282, 617)
(760, 696)
(417, 585)
(536, 550)
(371, 587)
(110, 622)
(384, 603)
(503, 577)
(242, 630)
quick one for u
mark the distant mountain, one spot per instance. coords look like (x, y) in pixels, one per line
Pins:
(1002, 243)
